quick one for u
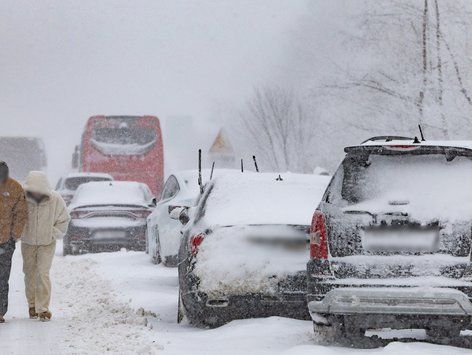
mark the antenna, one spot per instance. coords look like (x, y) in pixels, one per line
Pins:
(212, 168)
(421, 133)
(255, 163)
(242, 165)
(200, 170)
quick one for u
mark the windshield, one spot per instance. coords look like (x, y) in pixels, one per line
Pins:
(74, 182)
(122, 137)
(424, 186)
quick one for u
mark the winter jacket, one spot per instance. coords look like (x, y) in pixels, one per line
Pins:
(13, 211)
(48, 219)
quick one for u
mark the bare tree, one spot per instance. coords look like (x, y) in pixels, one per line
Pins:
(278, 127)
(405, 40)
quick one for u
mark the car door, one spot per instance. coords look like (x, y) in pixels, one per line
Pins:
(167, 229)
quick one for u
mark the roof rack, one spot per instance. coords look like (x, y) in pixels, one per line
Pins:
(388, 139)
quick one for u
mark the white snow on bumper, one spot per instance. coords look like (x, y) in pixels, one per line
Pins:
(401, 301)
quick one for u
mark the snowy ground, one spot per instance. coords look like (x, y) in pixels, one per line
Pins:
(121, 303)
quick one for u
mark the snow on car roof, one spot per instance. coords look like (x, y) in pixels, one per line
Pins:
(99, 175)
(258, 198)
(110, 193)
(190, 178)
(427, 143)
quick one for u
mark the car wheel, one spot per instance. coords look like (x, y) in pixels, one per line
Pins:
(156, 258)
(443, 333)
(180, 310)
(66, 249)
(326, 334)
(339, 333)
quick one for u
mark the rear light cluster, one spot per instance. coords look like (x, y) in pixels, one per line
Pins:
(141, 213)
(195, 242)
(78, 214)
(318, 237)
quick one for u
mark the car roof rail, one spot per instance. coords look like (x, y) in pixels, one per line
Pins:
(388, 139)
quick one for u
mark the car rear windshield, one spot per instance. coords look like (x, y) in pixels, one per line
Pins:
(252, 199)
(425, 185)
(73, 183)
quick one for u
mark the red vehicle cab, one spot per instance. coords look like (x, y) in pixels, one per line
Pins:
(126, 147)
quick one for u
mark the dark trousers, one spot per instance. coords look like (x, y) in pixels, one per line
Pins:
(6, 253)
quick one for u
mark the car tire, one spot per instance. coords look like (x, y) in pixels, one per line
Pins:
(66, 249)
(156, 258)
(339, 334)
(326, 334)
(180, 310)
(443, 333)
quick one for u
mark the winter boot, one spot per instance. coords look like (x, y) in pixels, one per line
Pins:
(2, 320)
(32, 313)
(45, 316)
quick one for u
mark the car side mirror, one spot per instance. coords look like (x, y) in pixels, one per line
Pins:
(153, 202)
(179, 213)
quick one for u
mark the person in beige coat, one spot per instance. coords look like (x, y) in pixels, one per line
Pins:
(48, 219)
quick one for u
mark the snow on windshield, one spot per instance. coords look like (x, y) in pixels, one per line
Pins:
(109, 193)
(125, 138)
(255, 198)
(427, 187)
(73, 183)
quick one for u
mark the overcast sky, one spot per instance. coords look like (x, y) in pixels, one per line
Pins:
(63, 61)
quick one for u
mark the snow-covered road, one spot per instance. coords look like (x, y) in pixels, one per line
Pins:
(121, 303)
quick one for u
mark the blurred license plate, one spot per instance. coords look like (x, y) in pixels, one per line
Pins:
(110, 235)
(401, 240)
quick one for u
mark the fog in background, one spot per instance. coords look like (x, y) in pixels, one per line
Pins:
(63, 61)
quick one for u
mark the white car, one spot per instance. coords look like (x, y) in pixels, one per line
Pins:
(68, 185)
(108, 215)
(163, 233)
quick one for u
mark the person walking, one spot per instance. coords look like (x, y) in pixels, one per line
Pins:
(48, 219)
(13, 214)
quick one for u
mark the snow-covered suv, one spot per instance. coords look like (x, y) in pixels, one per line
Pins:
(390, 242)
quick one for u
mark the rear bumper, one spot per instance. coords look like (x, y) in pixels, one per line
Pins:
(83, 238)
(407, 301)
(215, 311)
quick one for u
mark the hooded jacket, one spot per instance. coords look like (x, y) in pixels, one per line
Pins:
(48, 219)
(12, 210)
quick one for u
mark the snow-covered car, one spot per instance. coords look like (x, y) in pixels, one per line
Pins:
(391, 241)
(243, 252)
(108, 216)
(68, 185)
(163, 232)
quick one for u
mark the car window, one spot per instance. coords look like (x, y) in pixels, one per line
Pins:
(72, 183)
(171, 188)
(147, 192)
(59, 183)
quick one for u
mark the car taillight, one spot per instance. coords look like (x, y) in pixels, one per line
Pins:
(402, 147)
(78, 214)
(318, 237)
(195, 242)
(142, 213)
